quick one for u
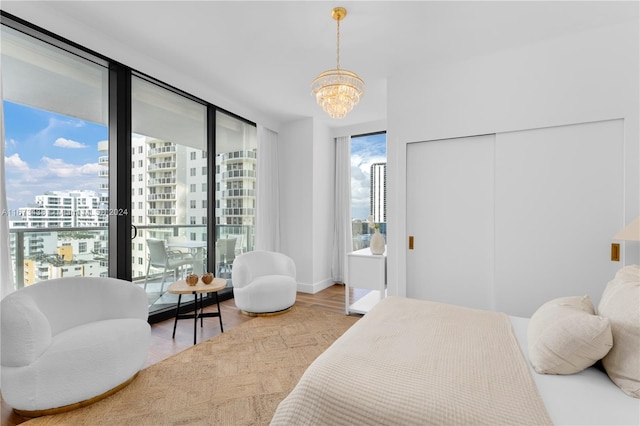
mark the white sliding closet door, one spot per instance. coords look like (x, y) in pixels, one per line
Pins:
(512, 220)
(450, 216)
(558, 202)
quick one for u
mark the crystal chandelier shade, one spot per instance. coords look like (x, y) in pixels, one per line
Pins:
(337, 91)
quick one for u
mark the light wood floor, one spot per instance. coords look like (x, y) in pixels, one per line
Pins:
(163, 346)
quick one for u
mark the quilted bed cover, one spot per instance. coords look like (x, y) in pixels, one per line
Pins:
(415, 362)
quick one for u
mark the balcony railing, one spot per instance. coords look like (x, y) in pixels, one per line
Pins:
(161, 212)
(238, 174)
(161, 166)
(234, 155)
(228, 193)
(161, 150)
(161, 196)
(42, 245)
(44, 262)
(238, 212)
(161, 181)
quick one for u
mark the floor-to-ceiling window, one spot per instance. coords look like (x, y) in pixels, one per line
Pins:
(56, 159)
(72, 171)
(368, 186)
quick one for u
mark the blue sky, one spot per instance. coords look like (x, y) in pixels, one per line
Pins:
(45, 151)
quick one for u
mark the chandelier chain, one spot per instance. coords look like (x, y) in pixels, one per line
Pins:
(338, 45)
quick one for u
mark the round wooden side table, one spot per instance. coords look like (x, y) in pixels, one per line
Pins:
(181, 287)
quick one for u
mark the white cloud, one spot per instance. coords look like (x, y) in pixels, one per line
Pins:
(15, 164)
(59, 168)
(50, 174)
(361, 182)
(67, 143)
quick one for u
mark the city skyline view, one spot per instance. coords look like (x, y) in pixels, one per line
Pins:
(45, 151)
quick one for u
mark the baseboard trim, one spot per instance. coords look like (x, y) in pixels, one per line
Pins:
(315, 288)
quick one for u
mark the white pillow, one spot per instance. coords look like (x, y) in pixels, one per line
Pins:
(620, 303)
(565, 337)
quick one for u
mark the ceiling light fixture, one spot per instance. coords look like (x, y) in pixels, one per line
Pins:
(338, 91)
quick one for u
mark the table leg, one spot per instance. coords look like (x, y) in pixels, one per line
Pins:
(201, 310)
(177, 313)
(219, 312)
(195, 317)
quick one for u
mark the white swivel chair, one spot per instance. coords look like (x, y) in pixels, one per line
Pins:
(264, 282)
(70, 341)
(168, 260)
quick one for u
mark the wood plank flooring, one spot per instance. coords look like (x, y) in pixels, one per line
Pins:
(163, 346)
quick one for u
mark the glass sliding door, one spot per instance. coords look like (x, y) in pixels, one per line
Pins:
(168, 189)
(235, 200)
(56, 159)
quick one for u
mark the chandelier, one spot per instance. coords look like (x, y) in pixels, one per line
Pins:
(338, 91)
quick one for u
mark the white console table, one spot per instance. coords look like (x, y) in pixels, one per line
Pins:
(365, 271)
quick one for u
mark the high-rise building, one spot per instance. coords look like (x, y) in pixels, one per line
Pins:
(236, 188)
(168, 194)
(64, 209)
(378, 198)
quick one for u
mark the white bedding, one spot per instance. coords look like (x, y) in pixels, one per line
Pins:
(416, 362)
(585, 398)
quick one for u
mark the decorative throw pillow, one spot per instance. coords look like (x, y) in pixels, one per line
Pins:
(620, 303)
(565, 337)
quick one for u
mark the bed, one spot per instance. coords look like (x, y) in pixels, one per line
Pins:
(414, 362)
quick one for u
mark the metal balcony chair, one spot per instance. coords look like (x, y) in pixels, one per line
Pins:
(226, 253)
(160, 257)
(177, 240)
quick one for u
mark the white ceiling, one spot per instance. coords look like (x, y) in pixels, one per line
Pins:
(258, 59)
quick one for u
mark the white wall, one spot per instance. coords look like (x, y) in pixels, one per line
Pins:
(306, 201)
(584, 77)
(295, 146)
(323, 162)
